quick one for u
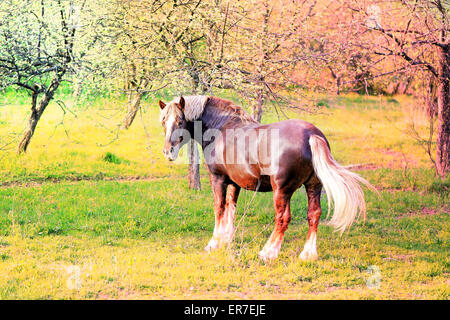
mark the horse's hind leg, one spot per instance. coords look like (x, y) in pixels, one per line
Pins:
(313, 190)
(282, 219)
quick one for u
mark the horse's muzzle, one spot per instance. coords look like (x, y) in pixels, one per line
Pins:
(171, 153)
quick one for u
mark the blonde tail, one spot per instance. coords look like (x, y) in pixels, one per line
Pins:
(341, 185)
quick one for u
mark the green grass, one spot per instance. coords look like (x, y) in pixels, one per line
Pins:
(144, 240)
(134, 230)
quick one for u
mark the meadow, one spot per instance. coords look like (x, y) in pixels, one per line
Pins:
(93, 211)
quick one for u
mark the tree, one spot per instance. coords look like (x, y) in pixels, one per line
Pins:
(411, 35)
(38, 50)
(135, 55)
(269, 40)
(160, 46)
(178, 32)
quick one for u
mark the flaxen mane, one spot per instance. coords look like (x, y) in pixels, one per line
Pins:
(194, 106)
(211, 110)
(218, 111)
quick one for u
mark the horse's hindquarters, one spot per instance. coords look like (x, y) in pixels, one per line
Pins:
(279, 151)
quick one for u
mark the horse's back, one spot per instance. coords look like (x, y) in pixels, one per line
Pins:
(279, 151)
(293, 138)
(294, 127)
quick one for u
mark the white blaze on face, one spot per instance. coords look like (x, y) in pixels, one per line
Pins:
(168, 118)
(169, 126)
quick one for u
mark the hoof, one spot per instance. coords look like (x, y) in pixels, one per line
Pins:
(212, 245)
(308, 256)
(268, 255)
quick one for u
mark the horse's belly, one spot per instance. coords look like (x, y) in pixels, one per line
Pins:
(249, 182)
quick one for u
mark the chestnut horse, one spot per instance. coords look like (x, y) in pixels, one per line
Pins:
(279, 157)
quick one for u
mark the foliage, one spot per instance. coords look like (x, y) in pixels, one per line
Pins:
(39, 40)
(40, 48)
(112, 158)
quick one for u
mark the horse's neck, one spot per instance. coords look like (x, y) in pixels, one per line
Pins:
(197, 130)
(216, 118)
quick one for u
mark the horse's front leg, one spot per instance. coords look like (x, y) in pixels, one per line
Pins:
(224, 210)
(313, 190)
(226, 225)
(219, 188)
(282, 218)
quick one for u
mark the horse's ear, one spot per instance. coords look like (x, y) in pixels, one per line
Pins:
(182, 103)
(162, 105)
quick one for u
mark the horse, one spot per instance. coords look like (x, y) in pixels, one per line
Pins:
(278, 157)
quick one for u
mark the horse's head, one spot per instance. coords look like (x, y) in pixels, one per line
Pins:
(175, 127)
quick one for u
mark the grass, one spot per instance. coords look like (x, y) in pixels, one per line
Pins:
(133, 230)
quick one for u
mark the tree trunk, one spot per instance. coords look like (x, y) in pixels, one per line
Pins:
(133, 108)
(28, 134)
(77, 89)
(257, 108)
(193, 154)
(194, 166)
(36, 113)
(338, 85)
(443, 129)
(337, 79)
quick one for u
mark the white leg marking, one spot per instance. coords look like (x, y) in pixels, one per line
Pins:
(272, 248)
(227, 231)
(223, 230)
(213, 244)
(309, 252)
